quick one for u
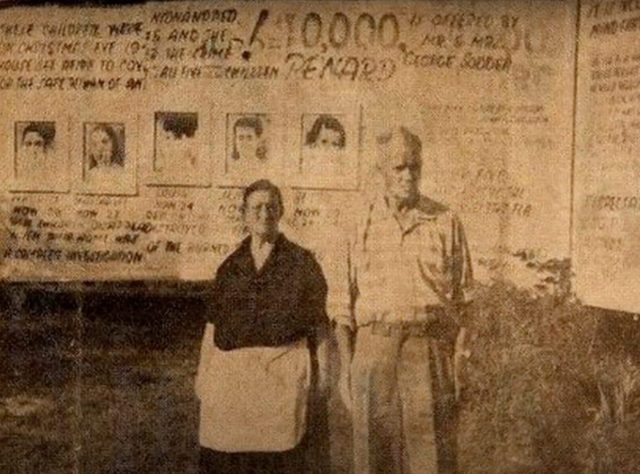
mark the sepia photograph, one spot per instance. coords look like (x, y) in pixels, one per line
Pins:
(106, 163)
(329, 151)
(377, 237)
(324, 143)
(248, 151)
(39, 163)
(177, 150)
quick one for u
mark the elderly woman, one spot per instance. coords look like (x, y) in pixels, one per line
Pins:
(266, 316)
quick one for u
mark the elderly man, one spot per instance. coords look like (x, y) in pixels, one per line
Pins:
(409, 270)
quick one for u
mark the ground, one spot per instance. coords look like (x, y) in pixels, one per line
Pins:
(110, 389)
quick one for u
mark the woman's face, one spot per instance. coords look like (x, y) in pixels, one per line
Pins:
(262, 214)
(328, 139)
(33, 145)
(101, 147)
(246, 142)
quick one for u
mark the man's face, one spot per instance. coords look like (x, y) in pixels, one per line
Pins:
(101, 147)
(246, 142)
(33, 145)
(328, 139)
(262, 214)
(401, 170)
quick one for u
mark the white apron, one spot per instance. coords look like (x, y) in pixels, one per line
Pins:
(254, 398)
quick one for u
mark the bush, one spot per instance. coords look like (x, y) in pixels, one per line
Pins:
(531, 386)
(614, 435)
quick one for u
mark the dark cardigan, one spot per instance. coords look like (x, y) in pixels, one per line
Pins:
(282, 303)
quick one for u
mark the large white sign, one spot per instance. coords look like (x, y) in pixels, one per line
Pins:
(127, 134)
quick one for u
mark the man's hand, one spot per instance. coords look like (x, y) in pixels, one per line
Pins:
(460, 355)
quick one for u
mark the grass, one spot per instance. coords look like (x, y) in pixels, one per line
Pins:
(112, 392)
(117, 390)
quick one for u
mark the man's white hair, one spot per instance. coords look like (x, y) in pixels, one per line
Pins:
(411, 141)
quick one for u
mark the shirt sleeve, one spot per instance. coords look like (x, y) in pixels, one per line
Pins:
(316, 296)
(212, 300)
(462, 271)
(342, 281)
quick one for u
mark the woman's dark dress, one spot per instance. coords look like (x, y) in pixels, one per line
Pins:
(280, 305)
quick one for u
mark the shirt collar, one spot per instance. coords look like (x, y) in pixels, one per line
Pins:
(244, 259)
(424, 210)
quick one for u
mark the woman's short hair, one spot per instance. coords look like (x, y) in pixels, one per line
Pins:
(249, 122)
(180, 124)
(254, 123)
(262, 185)
(46, 130)
(329, 122)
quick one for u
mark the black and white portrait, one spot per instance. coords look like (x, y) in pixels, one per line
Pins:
(248, 144)
(326, 134)
(328, 148)
(38, 165)
(106, 167)
(177, 157)
(104, 147)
